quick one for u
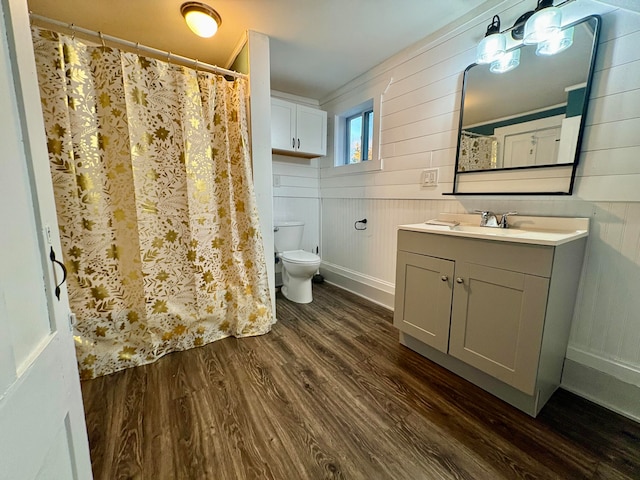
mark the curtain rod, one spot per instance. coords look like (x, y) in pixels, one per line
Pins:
(136, 47)
(473, 134)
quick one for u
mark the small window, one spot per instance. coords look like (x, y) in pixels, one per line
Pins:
(356, 134)
(359, 141)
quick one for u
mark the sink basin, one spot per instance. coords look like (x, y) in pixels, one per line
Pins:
(503, 232)
(523, 229)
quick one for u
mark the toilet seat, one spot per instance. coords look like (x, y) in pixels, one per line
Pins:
(299, 257)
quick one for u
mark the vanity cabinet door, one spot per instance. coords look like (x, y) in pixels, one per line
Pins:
(497, 321)
(423, 298)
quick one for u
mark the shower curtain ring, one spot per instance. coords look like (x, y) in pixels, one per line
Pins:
(73, 31)
(102, 39)
(138, 48)
(169, 57)
(196, 68)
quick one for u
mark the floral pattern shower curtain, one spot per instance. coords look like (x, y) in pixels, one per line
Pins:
(152, 180)
(477, 152)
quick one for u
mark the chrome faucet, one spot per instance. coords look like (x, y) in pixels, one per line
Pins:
(489, 219)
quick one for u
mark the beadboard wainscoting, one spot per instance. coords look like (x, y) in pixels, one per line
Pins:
(418, 129)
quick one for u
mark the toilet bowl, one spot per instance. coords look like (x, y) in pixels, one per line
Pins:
(298, 266)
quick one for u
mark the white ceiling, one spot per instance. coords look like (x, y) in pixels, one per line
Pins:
(316, 46)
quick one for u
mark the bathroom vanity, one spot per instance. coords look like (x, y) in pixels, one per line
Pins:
(492, 305)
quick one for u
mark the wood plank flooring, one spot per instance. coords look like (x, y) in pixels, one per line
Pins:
(330, 393)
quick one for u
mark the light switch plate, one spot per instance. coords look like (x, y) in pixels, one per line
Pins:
(430, 177)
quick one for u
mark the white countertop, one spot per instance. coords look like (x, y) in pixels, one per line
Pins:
(522, 229)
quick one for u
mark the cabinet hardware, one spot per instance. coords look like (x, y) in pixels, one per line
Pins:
(293, 143)
(444, 278)
(459, 280)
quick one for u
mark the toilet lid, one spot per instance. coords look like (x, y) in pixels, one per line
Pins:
(299, 256)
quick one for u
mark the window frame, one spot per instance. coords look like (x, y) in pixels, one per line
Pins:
(348, 108)
(368, 117)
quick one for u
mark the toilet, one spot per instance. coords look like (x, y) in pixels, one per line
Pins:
(298, 266)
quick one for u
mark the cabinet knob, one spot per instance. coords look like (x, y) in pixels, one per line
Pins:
(459, 280)
(293, 143)
(444, 278)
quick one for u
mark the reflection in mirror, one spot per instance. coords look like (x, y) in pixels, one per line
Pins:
(532, 115)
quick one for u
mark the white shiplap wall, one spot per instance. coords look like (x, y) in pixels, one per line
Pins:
(418, 129)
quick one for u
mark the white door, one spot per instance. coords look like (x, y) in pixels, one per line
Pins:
(42, 428)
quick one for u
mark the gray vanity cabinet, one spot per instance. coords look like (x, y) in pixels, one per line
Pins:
(496, 313)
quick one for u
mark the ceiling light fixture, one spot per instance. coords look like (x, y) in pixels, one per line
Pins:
(203, 20)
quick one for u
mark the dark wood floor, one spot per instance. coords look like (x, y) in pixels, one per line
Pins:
(330, 393)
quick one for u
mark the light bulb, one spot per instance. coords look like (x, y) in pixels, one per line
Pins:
(201, 24)
(542, 25)
(557, 43)
(491, 48)
(508, 61)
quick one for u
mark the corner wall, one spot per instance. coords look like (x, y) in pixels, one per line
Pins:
(260, 94)
(419, 130)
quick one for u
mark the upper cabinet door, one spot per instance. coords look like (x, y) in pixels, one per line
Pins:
(298, 130)
(311, 126)
(283, 125)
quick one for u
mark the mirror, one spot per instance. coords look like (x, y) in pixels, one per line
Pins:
(529, 117)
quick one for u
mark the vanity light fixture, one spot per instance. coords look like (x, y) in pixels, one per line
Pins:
(542, 26)
(203, 20)
(493, 44)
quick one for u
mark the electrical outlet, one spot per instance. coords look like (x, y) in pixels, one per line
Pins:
(276, 180)
(429, 177)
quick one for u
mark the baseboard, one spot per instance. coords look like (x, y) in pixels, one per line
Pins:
(625, 373)
(601, 388)
(373, 289)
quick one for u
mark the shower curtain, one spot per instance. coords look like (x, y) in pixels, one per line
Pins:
(157, 215)
(477, 152)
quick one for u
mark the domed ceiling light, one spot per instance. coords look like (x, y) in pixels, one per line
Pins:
(203, 20)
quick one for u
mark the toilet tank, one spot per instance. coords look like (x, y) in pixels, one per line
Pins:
(287, 236)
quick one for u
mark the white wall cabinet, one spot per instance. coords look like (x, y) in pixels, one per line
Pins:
(298, 130)
(495, 313)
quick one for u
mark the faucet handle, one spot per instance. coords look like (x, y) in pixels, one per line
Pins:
(484, 213)
(503, 220)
